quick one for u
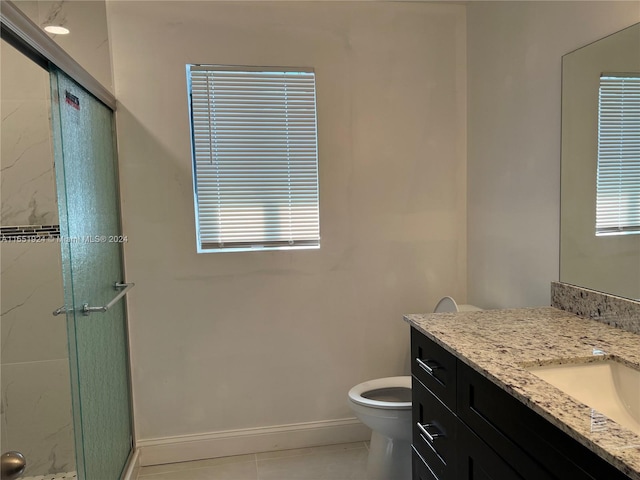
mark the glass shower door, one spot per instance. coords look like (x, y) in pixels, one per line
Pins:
(91, 242)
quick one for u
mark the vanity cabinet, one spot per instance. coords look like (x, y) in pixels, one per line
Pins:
(466, 427)
(445, 448)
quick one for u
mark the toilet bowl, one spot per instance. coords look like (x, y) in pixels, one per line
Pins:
(384, 405)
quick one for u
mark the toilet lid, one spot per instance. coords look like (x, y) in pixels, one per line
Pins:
(389, 393)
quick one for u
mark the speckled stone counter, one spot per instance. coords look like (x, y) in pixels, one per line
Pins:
(501, 343)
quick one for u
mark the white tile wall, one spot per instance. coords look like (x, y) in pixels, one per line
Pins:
(27, 192)
(36, 405)
(31, 289)
(38, 414)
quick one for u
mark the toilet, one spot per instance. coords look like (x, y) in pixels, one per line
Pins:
(384, 405)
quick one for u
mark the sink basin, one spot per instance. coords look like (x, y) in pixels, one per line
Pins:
(607, 386)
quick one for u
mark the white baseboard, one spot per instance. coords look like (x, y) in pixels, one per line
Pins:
(133, 465)
(183, 448)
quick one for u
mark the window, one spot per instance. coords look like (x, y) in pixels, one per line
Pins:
(618, 179)
(255, 157)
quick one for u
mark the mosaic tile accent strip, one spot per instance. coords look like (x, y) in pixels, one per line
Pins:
(29, 233)
(616, 311)
(54, 476)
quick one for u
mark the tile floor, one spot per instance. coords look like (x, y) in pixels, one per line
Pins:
(54, 476)
(331, 462)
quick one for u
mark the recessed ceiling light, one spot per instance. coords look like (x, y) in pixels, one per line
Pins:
(57, 30)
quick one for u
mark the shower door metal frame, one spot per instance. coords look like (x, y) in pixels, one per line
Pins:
(24, 35)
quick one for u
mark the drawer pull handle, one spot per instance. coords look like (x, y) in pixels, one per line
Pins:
(430, 437)
(426, 367)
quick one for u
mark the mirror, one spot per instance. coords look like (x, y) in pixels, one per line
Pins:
(610, 260)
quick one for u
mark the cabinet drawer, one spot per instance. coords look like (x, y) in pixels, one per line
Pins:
(434, 432)
(434, 367)
(420, 469)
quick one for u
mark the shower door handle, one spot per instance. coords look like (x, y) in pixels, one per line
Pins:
(12, 465)
(86, 309)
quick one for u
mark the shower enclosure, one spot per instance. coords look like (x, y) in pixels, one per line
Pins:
(90, 242)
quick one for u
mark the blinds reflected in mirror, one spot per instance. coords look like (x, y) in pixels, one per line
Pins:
(618, 177)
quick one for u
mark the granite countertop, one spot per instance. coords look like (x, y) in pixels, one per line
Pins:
(500, 343)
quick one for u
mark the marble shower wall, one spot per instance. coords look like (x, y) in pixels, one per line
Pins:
(27, 193)
(35, 402)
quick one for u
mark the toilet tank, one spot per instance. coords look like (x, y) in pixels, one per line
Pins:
(448, 304)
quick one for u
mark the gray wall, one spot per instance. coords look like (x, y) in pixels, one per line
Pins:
(232, 341)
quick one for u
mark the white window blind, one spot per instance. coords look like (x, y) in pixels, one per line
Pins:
(255, 157)
(618, 179)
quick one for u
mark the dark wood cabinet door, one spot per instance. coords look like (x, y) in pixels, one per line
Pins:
(476, 461)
